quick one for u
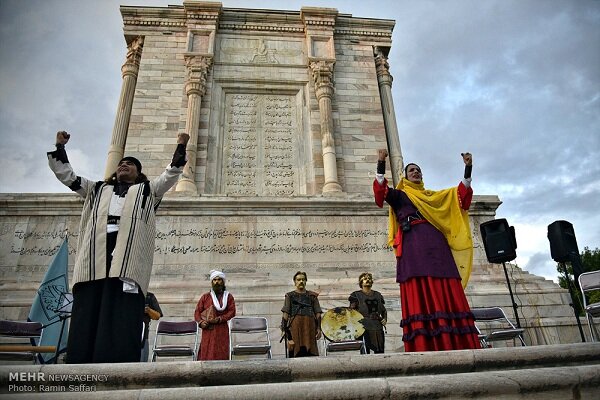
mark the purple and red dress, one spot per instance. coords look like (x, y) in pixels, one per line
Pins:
(435, 312)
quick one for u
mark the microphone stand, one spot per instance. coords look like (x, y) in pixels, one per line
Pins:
(570, 286)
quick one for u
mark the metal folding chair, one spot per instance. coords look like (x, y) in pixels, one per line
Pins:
(589, 282)
(257, 331)
(16, 337)
(499, 326)
(166, 329)
(332, 346)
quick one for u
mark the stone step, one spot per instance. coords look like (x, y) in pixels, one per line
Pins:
(581, 382)
(557, 371)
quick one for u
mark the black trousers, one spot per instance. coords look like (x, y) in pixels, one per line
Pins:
(106, 323)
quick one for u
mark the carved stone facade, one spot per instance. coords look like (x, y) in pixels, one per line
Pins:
(286, 111)
(199, 58)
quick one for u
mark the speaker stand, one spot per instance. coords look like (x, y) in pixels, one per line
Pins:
(512, 298)
(563, 268)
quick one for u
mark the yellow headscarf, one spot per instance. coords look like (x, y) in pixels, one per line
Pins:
(442, 210)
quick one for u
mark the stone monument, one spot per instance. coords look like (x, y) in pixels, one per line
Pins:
(286, 111)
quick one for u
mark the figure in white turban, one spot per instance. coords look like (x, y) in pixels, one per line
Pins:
(213, 311)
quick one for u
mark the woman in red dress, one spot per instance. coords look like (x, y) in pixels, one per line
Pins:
(430, 233)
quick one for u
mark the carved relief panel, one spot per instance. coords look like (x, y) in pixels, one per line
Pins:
(260, 51)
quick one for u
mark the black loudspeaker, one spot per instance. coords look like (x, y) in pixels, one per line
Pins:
(563, 245)
(499, 241)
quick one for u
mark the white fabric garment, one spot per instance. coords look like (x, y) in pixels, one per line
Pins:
(115, 208)
(216, 301)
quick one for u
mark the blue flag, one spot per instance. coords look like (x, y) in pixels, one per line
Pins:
(49, 299)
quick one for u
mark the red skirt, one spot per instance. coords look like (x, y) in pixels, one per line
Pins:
(436, 315)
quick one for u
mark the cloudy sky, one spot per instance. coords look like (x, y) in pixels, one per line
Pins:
(517, 83)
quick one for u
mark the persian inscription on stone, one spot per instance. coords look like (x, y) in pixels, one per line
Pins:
(260, 154)
(223, 240)
(278, 242)
(42, 241)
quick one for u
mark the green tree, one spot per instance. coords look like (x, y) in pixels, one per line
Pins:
(590, 260)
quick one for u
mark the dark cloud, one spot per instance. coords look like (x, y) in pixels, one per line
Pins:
(541, 264)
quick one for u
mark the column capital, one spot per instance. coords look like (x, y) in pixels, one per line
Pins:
(197, 67)
(382, 66)
(133, 57)
(322, 74)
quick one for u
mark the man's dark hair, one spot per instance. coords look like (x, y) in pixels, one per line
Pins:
(300, 273)
(360, 278)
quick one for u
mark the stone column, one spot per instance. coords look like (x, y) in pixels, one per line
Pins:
(322, 74)
(197, 67)
(129, 71)
(319, 24)
(384, 78)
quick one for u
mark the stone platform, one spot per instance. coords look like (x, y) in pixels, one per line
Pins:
(536, 372)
